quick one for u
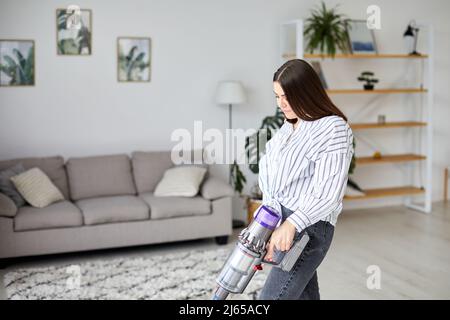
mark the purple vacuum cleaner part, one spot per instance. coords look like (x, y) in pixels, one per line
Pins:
(267, 217)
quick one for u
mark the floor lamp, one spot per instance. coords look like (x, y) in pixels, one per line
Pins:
(230, 93)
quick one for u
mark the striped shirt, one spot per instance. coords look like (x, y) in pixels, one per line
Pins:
(306, 170)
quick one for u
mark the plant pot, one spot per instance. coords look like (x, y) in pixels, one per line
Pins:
(368, 87)
(252, 205)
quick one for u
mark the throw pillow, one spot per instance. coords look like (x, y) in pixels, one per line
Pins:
(37, 188)
(182, 181)
(8, 188)
(7, 206)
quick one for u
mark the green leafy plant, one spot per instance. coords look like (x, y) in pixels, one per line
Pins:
(368, 78)
(19, 68)
(326, 30)
(254, 146)
(132, 64)
(238, 179)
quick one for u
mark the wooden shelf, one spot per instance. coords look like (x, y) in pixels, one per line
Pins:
(366, 56)
(376, 91)
(390, 159)
(387, 192)
(359, 126)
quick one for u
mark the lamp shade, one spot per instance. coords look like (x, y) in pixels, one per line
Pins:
(230, 92)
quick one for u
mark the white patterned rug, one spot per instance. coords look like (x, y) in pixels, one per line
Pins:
(176, 276)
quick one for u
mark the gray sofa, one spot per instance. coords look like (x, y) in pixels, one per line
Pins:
(109, 203)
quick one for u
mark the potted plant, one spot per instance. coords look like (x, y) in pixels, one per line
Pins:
(238, 179)
(368, 78)
(326, 30)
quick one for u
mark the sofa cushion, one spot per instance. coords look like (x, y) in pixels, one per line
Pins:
(170, 207)
(57, 215)
(99, 176)
(7, 207)
(113, 209)
(149, 168)
(36, 188)
(214, 188)
(8, 188)
(52, 166)
(180, 181)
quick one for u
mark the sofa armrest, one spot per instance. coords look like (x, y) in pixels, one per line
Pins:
(214, 188)
(7, 207)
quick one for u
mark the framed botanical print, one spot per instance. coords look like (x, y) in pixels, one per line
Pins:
(74, 31)
(17, 63)
(133, 59)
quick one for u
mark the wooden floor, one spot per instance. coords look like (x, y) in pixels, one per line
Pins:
(410, 249)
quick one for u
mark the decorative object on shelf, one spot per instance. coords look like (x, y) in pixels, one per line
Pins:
(410, 36)
(361, 38)
(17, 63)
(368, 78)
(381, 119)
(377, 155)
(133, 59)
(74, 39)
(326, 30)
(318, 68)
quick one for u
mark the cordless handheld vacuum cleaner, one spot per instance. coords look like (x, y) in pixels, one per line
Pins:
(248, 255)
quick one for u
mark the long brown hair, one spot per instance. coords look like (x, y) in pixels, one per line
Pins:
(304, 91)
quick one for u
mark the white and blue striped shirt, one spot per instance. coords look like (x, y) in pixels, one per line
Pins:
(306, 169)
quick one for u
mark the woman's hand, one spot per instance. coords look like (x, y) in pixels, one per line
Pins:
(281, 239)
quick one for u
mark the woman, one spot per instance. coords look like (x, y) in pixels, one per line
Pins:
(303, 176)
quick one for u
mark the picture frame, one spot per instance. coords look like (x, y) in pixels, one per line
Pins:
(73, 39)
(361, 38)
(134, 57)
(318, 68)
(17, 62)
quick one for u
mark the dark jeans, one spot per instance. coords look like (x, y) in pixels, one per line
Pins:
(301, 282)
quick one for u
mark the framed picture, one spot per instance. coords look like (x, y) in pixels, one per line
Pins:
(318, 68)
(133, 59)
(17, 63)
(74, 32)
(362, 39)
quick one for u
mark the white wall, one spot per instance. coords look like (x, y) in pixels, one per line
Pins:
(77, 107)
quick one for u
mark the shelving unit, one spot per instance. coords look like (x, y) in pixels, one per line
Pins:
(405, 124)
(376, 91)
(291, 47)
(389, 159)
(358, 56)
(388, 192)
